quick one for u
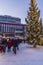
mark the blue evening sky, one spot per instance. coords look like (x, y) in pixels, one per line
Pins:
(18, 8)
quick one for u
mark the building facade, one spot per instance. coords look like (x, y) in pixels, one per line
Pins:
(11, 25)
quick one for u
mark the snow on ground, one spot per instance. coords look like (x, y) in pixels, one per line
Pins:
(26, 55)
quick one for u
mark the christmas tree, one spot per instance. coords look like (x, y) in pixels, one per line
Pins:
(33, 24)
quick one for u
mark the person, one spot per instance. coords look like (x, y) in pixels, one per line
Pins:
(1, 48)
(4, 43)
(18, 42)
(9, 44)
(14, 41)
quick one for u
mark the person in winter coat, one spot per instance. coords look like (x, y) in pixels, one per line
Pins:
(14, 41)
(9, 44)
(4, 43)
(18, 42)
(1, 48)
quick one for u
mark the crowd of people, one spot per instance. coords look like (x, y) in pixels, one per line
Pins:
(8, 43)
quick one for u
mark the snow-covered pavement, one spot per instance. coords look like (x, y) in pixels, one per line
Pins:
(25, 56)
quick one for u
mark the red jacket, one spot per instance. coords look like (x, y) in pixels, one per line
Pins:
(9, 43)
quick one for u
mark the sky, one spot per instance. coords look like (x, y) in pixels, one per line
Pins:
(18, 8)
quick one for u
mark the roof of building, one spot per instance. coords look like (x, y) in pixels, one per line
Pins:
(7, 16)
